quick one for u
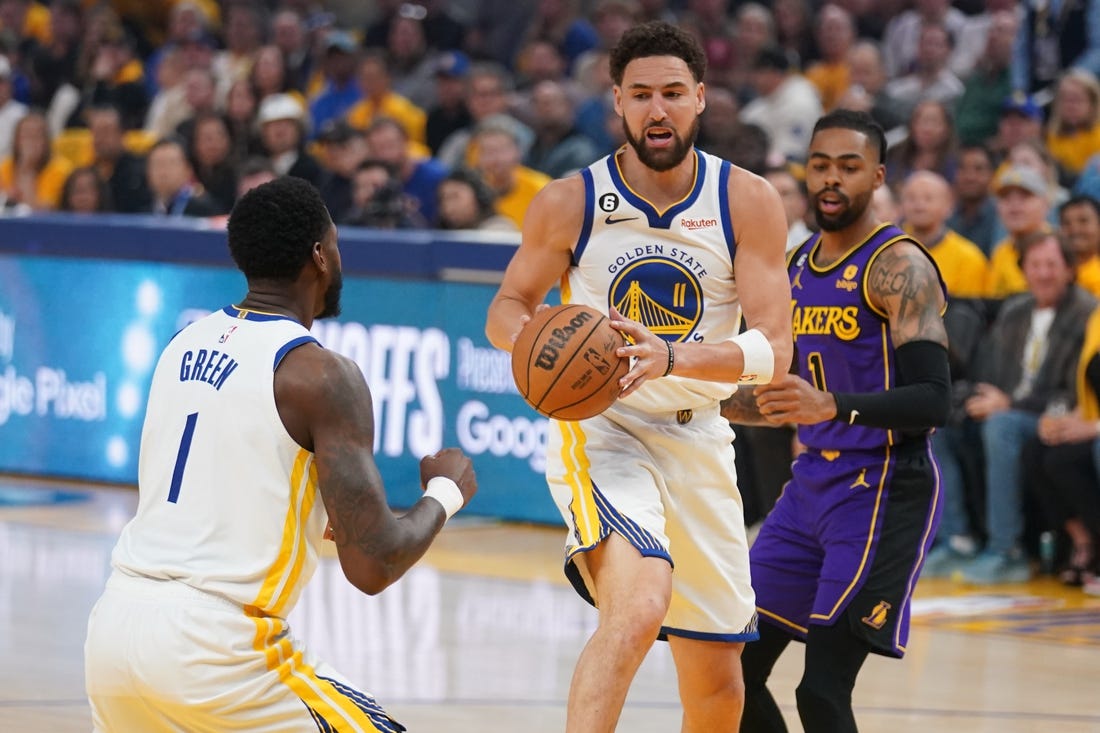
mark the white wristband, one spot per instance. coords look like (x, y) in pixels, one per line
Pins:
(447, 493)
(759, 357)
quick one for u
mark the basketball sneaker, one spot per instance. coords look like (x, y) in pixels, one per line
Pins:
(945, 561)
(990, 568)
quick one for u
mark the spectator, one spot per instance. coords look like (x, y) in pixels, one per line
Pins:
(561, 23)
(186, 21)
(497, 149)
(31, 176)
(1079, 223)
(885, 204)
(344, 148)
(270, 74)
(559, 147)
(754, 30)
(867, 91)
(1033, 154)
(378, 201)
(1063, 471)
(283, 133)
(537, 62)
(711, 22)
(1021, 120)
(168, 107)
(117, 78)
(1055, 36)
(341, 91)
(902, 37)
(925, 205)
(930, 78)
(1023, 203)
(978, 110)
(975, 216)
(795, 204)
(289, 33)
(200, 97)
(412, 62)
(211, 156)
(419, 176)
(379, 100)
(787, 106)
(244, 28)
(972, 42)
(53, 64)
(11, 111)
(442, 30)
(253, 172)
(1035, 345)
(929, 146)
(449, 113)
(123, 171)
(836, 34)
(467, 202)
(1073, 130)
(85, 192)
(488, 89)
(241, 107)
(794, 30)
(172, 182)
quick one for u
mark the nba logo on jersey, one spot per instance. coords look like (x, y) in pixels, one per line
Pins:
(227, 334)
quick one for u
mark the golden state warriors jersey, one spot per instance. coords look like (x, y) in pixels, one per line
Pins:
(228, 502)
(670, 270)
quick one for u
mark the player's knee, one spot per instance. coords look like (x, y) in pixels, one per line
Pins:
(824, 706)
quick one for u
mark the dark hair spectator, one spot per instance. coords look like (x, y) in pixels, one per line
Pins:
(85, 192)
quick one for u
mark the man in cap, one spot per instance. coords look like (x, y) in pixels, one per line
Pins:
(449, 113)
(340, 92)
(1023, 202)
(283, 129)
(1021, 120)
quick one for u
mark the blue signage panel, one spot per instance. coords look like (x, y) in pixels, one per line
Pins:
(79, 340)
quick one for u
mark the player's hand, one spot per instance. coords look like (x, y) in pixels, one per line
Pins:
(451, 463)
(648, 350)
(525, 319)
(791, 399)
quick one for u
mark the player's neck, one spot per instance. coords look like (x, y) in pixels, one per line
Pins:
(262, 300)
(660, 188)
(835, 244)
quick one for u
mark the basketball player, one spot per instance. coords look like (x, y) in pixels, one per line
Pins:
(836, 560)
(654, 235)
(256, 442)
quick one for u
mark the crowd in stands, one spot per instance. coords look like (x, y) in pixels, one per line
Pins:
(453, 115)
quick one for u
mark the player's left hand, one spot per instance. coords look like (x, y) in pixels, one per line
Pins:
(648, 350)
(791, 399)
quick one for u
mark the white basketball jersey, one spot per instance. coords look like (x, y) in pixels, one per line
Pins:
(670, 270)
(228, 502)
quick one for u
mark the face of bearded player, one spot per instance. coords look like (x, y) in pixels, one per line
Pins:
(660, 103)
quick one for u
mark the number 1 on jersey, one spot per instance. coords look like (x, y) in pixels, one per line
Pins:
(817, 370)
(181, 457)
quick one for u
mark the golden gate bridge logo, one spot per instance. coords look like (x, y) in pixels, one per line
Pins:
(660, 294)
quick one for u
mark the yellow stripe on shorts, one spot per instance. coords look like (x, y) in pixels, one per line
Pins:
(586, 517)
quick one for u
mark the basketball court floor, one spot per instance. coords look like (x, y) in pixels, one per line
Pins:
(482, 636)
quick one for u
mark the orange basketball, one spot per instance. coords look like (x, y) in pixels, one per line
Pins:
(564, 362)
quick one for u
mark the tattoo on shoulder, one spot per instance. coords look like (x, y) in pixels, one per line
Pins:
(903, 282)
(740, 408)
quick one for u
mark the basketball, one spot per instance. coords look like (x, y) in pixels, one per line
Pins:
(564, 362)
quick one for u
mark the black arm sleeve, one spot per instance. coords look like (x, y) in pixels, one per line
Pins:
(921, 399)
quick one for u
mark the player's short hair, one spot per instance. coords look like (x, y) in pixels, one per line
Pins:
(849, 119)
(657, 38)
(273, 227)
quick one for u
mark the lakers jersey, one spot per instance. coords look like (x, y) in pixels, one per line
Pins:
(843, 343)
(671, 270)
(228, 502)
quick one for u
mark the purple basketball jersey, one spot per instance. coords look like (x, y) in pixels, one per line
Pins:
(843, 343)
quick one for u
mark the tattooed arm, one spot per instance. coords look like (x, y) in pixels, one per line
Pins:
(902, 282)
(740, 407)
(326, 407)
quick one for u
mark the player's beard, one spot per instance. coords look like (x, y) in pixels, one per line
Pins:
(332, 296)
(662, 159)
(853, 208)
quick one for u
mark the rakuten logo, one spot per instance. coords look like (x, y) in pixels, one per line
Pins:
(693, 224)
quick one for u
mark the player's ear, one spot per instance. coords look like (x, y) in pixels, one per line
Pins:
(700, 98)
(880, 175)
(618, 91)
(318, 255)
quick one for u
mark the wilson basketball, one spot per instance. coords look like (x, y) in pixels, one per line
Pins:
(564, 362)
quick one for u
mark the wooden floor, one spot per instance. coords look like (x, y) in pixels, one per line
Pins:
(482, 636)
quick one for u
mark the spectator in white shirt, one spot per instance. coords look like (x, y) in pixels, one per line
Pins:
(787, 105)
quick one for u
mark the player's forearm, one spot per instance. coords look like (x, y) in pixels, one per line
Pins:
(750, 358)
(373, 560)
(503, 321)
(741, 408)
(921, 400)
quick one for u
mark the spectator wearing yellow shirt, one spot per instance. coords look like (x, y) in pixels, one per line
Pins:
(836, 32)
(1023, 206)
(498, 156)
(1079, 219)
(926, 204)
(1073, 131)
(31, 176)
(379, 99)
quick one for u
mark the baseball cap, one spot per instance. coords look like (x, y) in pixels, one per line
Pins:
(1022, 104)
(339, 41)
(279, 107)
(453, 63)
(1018, 176)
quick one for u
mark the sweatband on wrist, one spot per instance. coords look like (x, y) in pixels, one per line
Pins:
(446, 492)
(671, 359)
(921, 400)
(759, 357)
